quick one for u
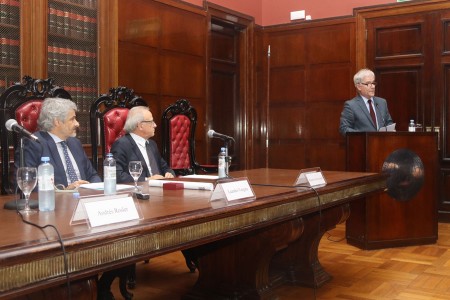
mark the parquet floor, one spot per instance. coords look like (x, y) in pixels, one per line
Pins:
(407, 273)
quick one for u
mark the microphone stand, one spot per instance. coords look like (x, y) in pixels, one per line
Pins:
(20, 204)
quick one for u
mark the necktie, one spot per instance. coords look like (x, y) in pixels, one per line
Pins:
(151, 158)
(70, 170)
(372, 113)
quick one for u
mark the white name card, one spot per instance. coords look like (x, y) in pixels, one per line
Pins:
(110, 211)
(234, 190)
(312, 177)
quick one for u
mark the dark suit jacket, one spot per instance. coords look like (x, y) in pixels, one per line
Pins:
(355, 116)
(125, 150)
(33, 152)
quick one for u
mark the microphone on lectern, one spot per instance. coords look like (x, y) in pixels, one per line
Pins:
(213, 134)
(12, 125)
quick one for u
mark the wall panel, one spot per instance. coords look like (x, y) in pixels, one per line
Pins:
(287, 85)
(140, 22)
(183, 31)
(162, 56)
(310, 74)
(180, 75)
(139, 68)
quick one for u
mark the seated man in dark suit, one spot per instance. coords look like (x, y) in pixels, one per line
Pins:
(134, 145)
(365, 112)
(57, 140)
(137, 145)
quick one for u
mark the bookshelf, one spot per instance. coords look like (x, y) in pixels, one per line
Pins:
(72, 54)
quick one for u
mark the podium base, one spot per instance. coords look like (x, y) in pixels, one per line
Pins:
(20, 204)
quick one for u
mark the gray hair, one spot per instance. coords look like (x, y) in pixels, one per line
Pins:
(134, 117)
(361, 74)
(54, 108)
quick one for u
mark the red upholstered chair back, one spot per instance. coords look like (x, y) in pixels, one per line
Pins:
(107, 118)
(22, 101)
(27, 114)
(179, 136)
(179, 121)
(113, 122)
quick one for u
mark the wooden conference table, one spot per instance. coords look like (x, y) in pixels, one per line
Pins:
(244, 250)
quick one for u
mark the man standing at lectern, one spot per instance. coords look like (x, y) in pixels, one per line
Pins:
(365, 112)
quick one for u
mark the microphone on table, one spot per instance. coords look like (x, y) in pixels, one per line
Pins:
(12, 125)
(213, 134)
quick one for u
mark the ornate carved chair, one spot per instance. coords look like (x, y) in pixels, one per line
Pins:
(22, 101)
(179, 121)
(107, 116)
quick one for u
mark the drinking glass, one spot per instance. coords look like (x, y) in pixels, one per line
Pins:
(26, 180)
(135, 169)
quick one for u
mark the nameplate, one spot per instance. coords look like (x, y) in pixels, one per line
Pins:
(105, 210)
(233, 191)
(311, 177)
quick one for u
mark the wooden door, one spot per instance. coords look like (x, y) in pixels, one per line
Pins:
(225, 86)
(409, 51)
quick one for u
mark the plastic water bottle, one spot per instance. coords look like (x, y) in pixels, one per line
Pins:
(411, 126)
(109, 174)
(222, 164)
(46, 194)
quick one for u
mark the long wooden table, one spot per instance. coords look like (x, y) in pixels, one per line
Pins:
(244, 250)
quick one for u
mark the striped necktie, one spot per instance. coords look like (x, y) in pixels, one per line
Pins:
(70, 169)
(372, 113)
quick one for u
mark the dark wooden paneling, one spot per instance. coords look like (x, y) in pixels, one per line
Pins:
(402, 89)
(330, 44)
(310, 74)
(399, 40)
(286, 124)
(223, 44)
(288, 156)
(286, 48)
(330, 83)
(139, 22)
(180, 75)
(409, 51)
(287, 85)
(162, 56)
(183, 31)
(138, 67)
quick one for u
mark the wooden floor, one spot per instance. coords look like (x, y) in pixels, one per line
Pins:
(409, 273)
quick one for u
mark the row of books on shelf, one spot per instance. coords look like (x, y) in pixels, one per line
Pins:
(71, 23)
(64, 58)
(83, 94)
(9, 12)
(6, 82)
(87, 3)
(9, 51)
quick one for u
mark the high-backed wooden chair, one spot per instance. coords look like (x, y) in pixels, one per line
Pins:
(107, 116)
(179, 121)
(22, 101)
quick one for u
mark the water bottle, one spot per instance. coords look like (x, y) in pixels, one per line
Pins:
(46, 193)
(222, 165)
(109, 174)
(412, 126)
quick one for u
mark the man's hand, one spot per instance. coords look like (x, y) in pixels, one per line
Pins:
(76, 184)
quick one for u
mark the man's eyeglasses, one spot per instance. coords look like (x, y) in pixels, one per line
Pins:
(151, 122)
(368, 83)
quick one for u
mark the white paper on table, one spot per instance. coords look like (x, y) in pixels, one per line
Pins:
(207, 186)
(99, 186)
(388, 128)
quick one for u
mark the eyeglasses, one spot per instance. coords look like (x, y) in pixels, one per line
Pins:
(150, 121)
(368, 83)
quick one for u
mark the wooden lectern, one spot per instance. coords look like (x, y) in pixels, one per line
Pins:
(381, 221)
